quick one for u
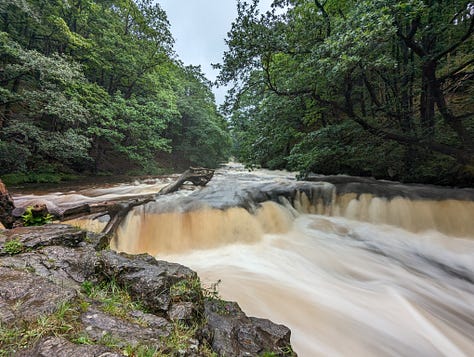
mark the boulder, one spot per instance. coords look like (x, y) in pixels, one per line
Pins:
(183, 311)
(231, 333)
(148, 280)
(32, 238)
(64, 266)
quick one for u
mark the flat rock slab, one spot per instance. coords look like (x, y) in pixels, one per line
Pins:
(64, 266)
(99, 325)
(48, 235)
(60, 347)
(391, 189)
(25, 297)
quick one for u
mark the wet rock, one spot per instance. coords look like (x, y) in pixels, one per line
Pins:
(148, 280)
(99, 241)
(150, 320)
(272, 334)
(54, 261)
(231, 333)
(60, 347)
(391, 189)
(48, 235)
(25, 297)
(183, 311)
(248, 196)
(63, 265)
(99, 325)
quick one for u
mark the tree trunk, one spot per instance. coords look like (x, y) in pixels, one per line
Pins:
(427, 100)
(6, 207)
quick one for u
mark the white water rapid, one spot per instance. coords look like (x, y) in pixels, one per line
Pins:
(352, 276)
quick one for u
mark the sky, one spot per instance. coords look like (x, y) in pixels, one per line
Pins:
(199, 28)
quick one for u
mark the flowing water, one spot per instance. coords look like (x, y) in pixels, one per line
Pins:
(350, 274)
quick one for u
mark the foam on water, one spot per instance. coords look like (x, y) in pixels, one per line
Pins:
(347, 288)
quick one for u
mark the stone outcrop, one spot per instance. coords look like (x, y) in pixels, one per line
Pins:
(51, 303)
(124, 332)
(145, 277)
(235, 334)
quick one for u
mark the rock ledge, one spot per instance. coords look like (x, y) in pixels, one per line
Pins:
(61, 295)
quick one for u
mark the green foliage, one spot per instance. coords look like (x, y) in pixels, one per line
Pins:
(18, 178)
(378, 88)
(63, 322)
(140, 351)
(286, 351)
(114, 299)
(180, 337)
(187, 290)
(30, 220)
(95, 86)
(13, 246)
(200, 137)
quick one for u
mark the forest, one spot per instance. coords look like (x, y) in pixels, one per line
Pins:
(368, 88)
(95, 87)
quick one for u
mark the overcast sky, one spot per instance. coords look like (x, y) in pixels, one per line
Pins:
(199, 28)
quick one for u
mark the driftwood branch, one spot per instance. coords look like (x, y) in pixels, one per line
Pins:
(199, 176)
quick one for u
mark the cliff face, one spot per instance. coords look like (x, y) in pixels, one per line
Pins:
(63, 293)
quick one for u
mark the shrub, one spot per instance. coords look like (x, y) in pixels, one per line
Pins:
(30, 220)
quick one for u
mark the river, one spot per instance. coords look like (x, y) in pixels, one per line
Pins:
(357, 275)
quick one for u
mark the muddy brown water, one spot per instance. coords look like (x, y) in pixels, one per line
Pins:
(350, 274)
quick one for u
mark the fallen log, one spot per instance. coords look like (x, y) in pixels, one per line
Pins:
(199, 176)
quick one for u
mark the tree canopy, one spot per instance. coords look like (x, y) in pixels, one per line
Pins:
(95, 86)
(382, 88)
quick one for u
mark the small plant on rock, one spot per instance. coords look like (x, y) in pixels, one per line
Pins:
(114, 299)
(30, 219)
(13, 247)
(187, 290)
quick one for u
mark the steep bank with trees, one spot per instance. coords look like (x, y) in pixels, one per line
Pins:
(95, 86)
(379, 88)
